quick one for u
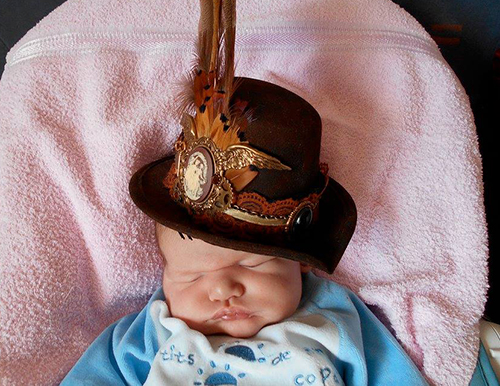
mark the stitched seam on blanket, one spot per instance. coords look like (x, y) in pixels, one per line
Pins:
(289, 39)
(157, 52)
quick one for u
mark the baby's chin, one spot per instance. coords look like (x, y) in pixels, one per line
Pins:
(236, 328)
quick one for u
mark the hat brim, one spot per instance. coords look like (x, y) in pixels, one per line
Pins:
(321, 245)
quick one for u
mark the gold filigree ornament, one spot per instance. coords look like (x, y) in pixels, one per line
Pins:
(201, 183)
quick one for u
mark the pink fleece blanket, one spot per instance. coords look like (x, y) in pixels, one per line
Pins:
(86, 99)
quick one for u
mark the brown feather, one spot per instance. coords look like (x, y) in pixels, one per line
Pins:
(229, 21)
(205, 33)
(212, 77)
(240, 177)
(215, 35)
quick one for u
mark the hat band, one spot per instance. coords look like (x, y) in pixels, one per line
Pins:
(250, 207)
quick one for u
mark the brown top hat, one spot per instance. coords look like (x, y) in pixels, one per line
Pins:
(246, 174)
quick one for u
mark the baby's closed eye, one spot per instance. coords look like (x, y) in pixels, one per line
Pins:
(255, 263)
(192, 279)
(251, 265)
(184, 278)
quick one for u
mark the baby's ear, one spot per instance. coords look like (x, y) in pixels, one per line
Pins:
(304, 268)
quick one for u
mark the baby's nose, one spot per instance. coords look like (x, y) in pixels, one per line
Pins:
(225, 287)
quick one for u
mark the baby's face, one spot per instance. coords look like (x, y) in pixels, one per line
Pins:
(223, 291)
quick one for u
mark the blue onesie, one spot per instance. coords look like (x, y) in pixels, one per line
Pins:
(332, 339)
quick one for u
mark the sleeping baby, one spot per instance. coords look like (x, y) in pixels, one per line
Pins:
(228, 317)
(244, 211)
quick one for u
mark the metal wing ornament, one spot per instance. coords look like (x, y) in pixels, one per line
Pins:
(241, 155)
(212, 155)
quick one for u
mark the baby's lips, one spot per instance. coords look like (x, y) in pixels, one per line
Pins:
(232, 313)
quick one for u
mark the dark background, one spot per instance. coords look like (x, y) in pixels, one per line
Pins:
(468, 34)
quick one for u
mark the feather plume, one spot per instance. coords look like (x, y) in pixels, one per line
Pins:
(205, 32)
(229, 21)
(208, 88)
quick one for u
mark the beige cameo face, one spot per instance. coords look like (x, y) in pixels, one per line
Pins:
(198, 174)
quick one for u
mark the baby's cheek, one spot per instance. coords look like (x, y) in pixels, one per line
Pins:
(268, 288)
(186, 303)
(284, 293)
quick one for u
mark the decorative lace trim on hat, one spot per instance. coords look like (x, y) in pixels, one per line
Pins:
(253, 203)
